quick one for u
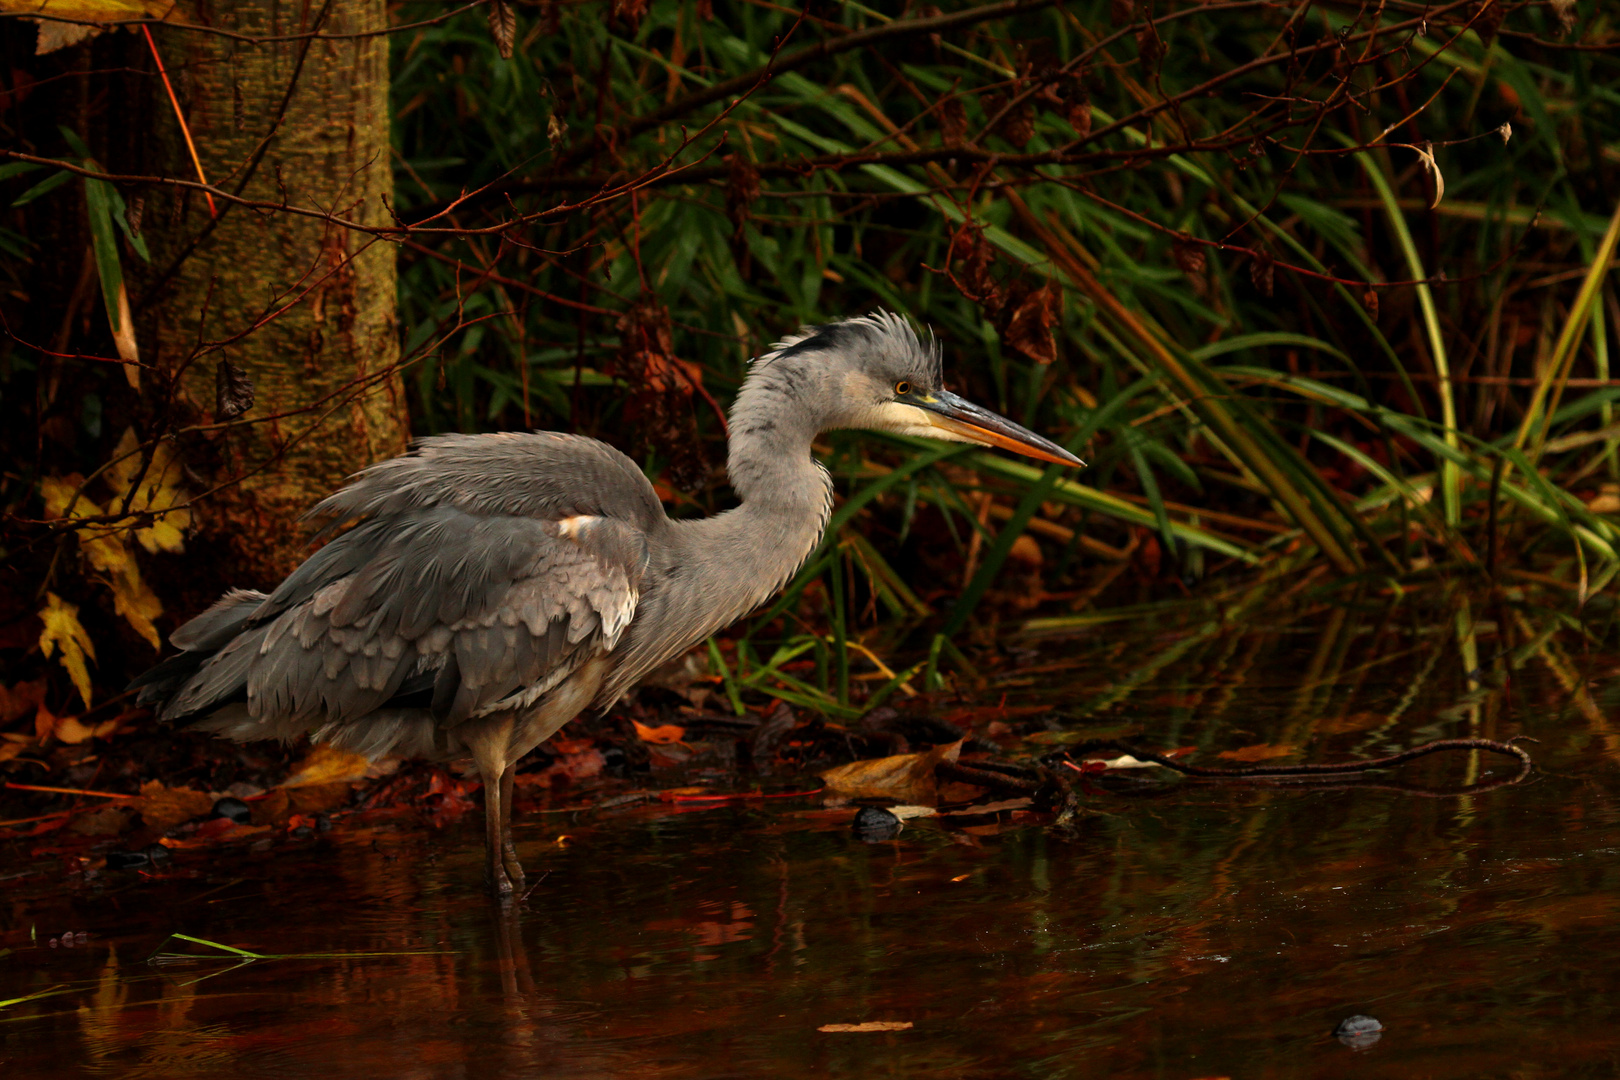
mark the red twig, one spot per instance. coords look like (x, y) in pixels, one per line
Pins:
(185, 129)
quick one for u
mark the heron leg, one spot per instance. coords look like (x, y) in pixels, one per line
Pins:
(489, 748)
(509, 857)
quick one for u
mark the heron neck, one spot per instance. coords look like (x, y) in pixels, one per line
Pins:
(773, 421)
(752, 550)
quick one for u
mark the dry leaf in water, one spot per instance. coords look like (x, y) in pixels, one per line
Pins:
(1124, 761)
(103, 821)
(870, 1025)
(906, 778)
(163, 808)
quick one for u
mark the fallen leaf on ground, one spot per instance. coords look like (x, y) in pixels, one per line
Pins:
(71, 730)
(165, 807)
(662, 735)
(103, 821)
(906, 778)
(327, 764)
(870, 1025)
(319, 798)
(1259, 752)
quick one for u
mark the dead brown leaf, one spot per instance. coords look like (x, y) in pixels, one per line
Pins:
(165, 807)
(103, 821)
(908, 778)
(319, 798)
(870, 1025)
(275, 807)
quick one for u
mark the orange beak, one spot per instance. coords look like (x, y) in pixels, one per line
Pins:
(966, 421)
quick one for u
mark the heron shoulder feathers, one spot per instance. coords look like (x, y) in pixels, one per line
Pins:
(520, 474)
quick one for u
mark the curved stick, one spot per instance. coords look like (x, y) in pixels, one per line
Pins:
(1505, 748)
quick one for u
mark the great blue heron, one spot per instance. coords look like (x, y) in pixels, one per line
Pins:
(493, 587)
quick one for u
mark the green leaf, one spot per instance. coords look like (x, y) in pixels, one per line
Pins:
(17, 168)
(104, 243)
(44, 187)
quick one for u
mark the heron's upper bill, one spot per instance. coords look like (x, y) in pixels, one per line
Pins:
(950, 417)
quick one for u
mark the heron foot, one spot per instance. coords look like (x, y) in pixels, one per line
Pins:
(500, 882)
(513, 868)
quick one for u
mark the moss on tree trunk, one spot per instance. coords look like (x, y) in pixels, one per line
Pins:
(313, 303)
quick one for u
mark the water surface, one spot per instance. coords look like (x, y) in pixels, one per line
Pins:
(1180, 931)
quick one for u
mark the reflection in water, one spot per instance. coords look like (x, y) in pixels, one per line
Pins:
(1182, 930)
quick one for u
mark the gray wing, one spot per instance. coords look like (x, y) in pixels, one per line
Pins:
(457, 601)
(524, 474)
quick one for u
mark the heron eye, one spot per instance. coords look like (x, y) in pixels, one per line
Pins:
(902, 388)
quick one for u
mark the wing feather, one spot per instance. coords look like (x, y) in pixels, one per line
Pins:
(487, 613)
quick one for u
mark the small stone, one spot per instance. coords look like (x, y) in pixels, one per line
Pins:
(158, 853)
(303, 832)
(1359, 1032)
(874, 825)
(234, 809)
(323, 823)
(127, 860)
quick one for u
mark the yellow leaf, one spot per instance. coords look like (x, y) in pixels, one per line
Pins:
(158, 490)
(105, 549)
(55, 35)
(137, 603)
(328, 765)
(58, 492)
(72, 730)
(62, 631)
(870, 1025)
(90, 10)
(103, 545)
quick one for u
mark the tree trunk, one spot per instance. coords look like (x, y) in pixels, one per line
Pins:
(307, 308)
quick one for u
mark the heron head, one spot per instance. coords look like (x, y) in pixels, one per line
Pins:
(880, 376)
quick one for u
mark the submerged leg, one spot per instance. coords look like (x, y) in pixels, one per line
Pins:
(489, 747)
(509, 858)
